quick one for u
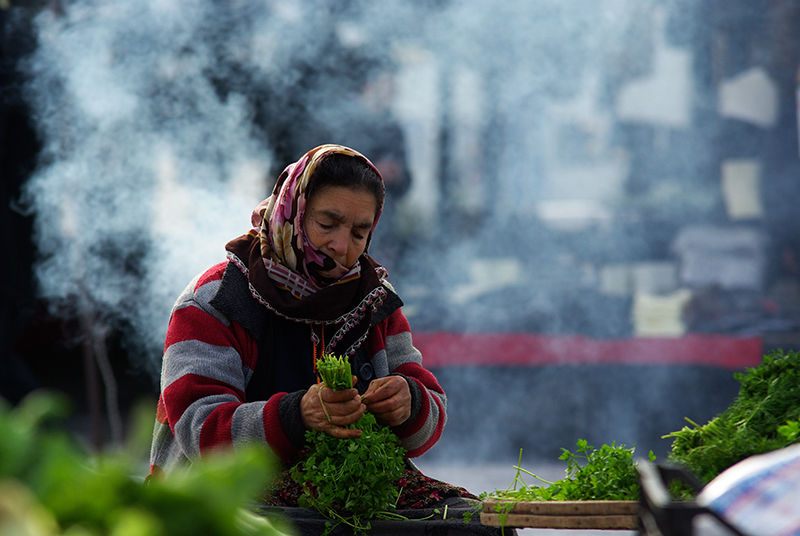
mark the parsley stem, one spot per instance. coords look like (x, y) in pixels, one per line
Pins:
(533, 475)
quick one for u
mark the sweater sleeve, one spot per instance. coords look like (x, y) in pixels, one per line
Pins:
(392, 350)
(208, 361)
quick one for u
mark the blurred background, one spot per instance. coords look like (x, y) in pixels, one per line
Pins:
(591, 210)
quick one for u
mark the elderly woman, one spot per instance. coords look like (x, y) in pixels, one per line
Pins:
(244, 337)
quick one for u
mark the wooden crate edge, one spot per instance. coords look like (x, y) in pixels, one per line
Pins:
(566, 507)
(588, 522)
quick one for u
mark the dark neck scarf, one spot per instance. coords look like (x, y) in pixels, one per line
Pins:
(283, 267)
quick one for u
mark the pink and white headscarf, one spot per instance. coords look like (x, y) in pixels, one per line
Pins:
(290, 258)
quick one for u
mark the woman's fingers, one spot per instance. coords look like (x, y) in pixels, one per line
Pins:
(330, 411)
(345, 404)
(383, 388)
(389, 399)
(342, 395)
(343, 433)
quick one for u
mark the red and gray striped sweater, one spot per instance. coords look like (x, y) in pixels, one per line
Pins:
(214, 395)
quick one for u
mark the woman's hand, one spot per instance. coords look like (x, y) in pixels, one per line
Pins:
(389, 399)
(329, 411)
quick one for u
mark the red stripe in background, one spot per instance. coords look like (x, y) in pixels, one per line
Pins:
(447, 349)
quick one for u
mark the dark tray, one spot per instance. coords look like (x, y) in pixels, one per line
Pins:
(460, 521)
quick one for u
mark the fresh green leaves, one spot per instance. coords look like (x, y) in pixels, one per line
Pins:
(764, 417)
(605, 474)
(356, 475)
(608, 473)
(791, 431)
(350, 480)
(48, 481)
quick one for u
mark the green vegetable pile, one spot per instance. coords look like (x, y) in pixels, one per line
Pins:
(764, 417)
(350, 480)
(50, 487)
(608, 473)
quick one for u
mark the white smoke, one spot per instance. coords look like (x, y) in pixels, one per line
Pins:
(151, 117)
(147, 170)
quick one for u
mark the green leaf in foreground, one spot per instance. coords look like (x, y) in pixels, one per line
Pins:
(48, 481)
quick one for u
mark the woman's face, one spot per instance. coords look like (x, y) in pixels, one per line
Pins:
(338, 221)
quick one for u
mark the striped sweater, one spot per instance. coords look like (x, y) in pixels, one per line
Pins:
(213, 394)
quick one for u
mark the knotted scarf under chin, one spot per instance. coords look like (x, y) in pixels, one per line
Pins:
(346, 305)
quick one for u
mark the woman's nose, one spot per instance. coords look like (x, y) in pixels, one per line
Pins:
(338, 243)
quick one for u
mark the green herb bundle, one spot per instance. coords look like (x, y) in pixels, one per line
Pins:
(350, 480)
(608, 473)
(761, 419)
(335, 372)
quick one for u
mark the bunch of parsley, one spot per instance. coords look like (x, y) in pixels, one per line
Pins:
(350, 480)
(607, 473)
(335, 371)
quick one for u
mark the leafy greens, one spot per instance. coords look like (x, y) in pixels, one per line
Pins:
(764, 417)
(350, 480)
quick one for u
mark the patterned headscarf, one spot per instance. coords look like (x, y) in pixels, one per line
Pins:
(283, 238)
(284, 269)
